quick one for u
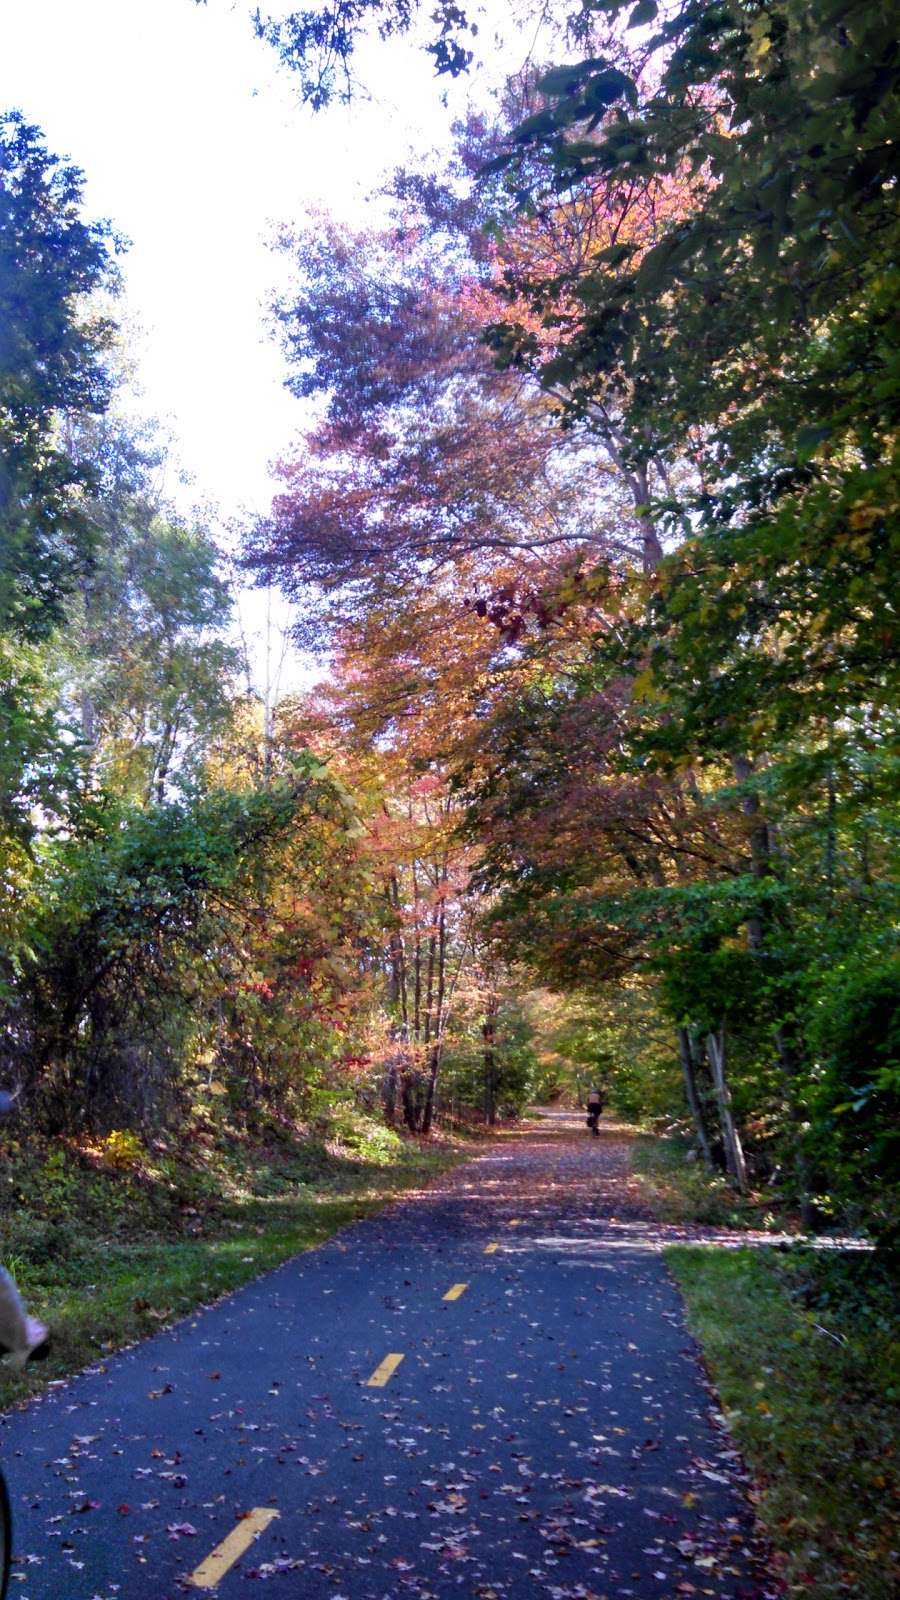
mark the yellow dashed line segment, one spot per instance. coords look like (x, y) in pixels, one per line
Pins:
(383, 1371)
(455, 1291)
(213, 1569)
(490, 1248)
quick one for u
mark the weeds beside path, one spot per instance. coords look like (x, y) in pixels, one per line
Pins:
(802, 1347)
(803, 1351)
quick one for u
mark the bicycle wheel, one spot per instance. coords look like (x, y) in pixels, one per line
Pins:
(5, 1537)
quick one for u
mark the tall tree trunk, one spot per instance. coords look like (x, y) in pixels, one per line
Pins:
(437, 1047)
(651, 548)
(488, 1033)
(706, 1092)
(392, 1081)
(389, 1091)
(734, 1154)
(788, 1046)
(430, 1018)
(417, 969)
(692, 1095)
(830, 826)
(397, 955)
(410, 1101)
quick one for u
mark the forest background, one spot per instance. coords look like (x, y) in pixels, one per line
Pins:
(593, 526)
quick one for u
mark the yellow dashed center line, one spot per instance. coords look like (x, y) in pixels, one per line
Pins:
(455, 1291)
(383, 1371)
(514, 1221)
(213, 1569)
(490, 1248)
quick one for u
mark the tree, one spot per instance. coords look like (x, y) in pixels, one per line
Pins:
(424, 912)
(140, 909)
(52, 361)
(656, 532)
(751, 319)
(53, 346)
(427, 457)
(765, 641)
(147, 670)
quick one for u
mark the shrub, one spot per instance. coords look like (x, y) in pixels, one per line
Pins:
(855, 1131)
(121, 1150)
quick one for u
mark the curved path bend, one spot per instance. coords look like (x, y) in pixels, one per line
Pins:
(486, 1391)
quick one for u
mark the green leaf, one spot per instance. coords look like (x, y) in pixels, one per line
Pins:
(569, 79)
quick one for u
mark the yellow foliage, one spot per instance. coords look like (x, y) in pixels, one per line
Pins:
(121, 1149)
(644, 685)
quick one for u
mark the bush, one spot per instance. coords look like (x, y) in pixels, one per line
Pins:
(362, 1136)
(122, 1150)
(855, 1124)
(35, 1241)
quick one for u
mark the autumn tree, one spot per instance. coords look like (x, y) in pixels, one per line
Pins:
(426, 455)
(385, 736)
(438, 493)
(682, 263)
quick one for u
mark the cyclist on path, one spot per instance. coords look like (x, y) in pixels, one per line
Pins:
(594, 1108)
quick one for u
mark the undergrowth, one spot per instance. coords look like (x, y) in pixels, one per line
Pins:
(681, 1190)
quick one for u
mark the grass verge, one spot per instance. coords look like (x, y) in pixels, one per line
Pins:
(802, 1347)
(683, 1191)
(108, 1251)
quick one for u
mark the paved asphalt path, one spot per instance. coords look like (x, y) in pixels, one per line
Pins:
(546, 1433)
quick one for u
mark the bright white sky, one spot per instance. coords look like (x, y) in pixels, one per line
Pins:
(194, 145)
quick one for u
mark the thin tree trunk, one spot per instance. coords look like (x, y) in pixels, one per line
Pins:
(430, 1018)
(651, 549)
(410, 1105)
(417, 970)
(830, 827)
(693, 1097)
(397, 951)
(790, 1054)
(703, 1082)
(734, 1154)
(389, 1091)
(706, 1092)
(437, 1048)
(162, 762)
(488, 1032)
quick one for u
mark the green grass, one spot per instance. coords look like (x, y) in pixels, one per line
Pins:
(107, 1257)
(803, 1350)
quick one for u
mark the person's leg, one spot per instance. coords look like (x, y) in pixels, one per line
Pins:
(20, 1334)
